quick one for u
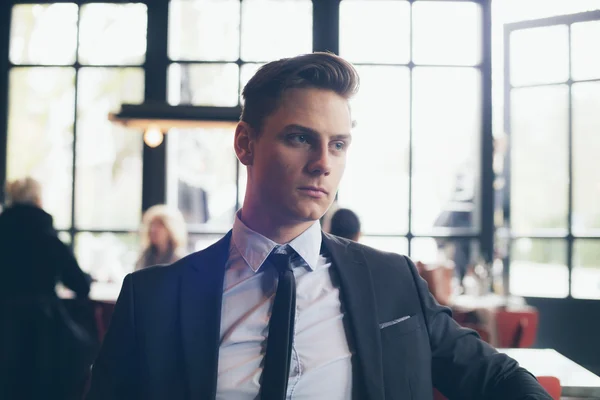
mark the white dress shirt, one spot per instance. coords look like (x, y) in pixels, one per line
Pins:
(321, 359)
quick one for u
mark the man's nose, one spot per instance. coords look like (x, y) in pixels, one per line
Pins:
(320, 163)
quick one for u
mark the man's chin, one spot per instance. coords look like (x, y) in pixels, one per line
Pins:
(305, 211)
(311, 215)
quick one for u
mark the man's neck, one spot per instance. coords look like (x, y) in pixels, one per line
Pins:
(269, 228)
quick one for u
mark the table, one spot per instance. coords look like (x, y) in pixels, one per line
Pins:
(576, 381)
(486, 301)
(99, 291)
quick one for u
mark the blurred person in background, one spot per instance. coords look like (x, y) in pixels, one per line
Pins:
(163, 236)
(345, 223)
(43, 352)
(457, 213)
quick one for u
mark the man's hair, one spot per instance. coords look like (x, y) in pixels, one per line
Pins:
(345, 223)
(263, 93)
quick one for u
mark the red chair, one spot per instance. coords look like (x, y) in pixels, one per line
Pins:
(516, 328)
(552, 385)
(103, 313)
(439, 280)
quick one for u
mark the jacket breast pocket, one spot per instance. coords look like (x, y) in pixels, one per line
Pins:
(401, 326)
(405, 355)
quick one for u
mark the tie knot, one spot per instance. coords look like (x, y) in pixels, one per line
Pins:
(281, 261)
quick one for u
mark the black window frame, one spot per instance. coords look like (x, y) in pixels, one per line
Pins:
(325, 38)
(505, 232)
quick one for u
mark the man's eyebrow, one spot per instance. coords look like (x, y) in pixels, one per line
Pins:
(310, 131)
(345, 136)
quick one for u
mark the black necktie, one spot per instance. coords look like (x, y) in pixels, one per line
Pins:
(276, 369)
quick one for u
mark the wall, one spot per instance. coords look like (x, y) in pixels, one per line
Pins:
(572, 327)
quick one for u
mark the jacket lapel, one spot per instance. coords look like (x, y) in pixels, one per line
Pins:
(201, 298)
(359, 300)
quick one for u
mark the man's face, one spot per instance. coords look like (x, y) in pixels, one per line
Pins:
(299, 156)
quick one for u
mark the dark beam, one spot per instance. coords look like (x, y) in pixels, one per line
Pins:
(154, 175)
(326, 25)
(487, 139)
(5, 12)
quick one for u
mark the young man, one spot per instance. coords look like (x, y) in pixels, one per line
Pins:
(279, 310)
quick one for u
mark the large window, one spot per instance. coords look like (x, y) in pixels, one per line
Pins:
(419, 172)
(70, 65)
(550, 222)
(215, 46)
(423, 170)
(413, 168)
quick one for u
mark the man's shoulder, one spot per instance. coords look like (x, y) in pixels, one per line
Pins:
(162, 283)
(374, 258)
(157, 275)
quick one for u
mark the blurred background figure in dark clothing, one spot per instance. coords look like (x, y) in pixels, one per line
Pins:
(43, 353)
(345, 223)
(458, 214)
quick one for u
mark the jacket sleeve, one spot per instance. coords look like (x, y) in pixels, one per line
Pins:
(70, 274)
(465, 367)
(115, 371)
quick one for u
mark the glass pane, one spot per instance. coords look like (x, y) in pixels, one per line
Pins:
(112, 34)
(65, 237)
(108, 183)
(586, 147)
(380, 22)
(40, 134)
(390, 244)
(446, 130)
(539, 139)
(107, 257)
(43, 33)
(585, 278)
(199, 242)
(462, 253)
(201, 178)
(533, 261)
(286, 32)
(425, 250)
(446, 33)
(246, 73)
(585, 58)
(204, 30)
(377, 163)
(204, 84)
(539, 55)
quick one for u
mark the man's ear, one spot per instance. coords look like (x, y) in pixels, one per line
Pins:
(243, 143)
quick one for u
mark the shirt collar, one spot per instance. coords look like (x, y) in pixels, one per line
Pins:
(255, 248)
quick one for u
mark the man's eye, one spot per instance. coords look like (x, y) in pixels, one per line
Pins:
(340, 145)
(300, 138)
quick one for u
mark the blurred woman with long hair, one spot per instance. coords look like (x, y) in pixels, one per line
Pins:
(163, 236)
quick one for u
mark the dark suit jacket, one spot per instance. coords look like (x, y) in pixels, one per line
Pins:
(163, 342)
